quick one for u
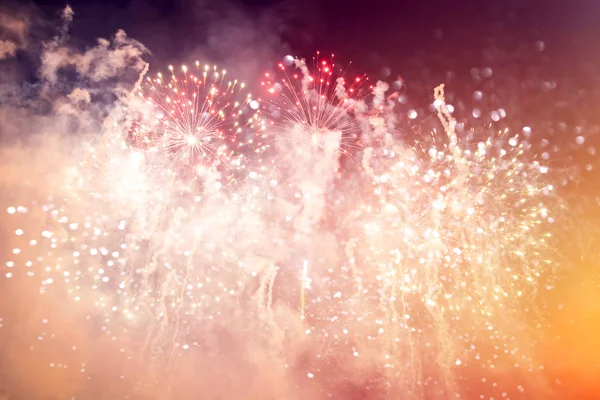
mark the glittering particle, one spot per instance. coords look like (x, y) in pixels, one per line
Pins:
(288, 60)
(540, 45)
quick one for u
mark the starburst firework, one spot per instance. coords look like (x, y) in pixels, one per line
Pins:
(196, 116)
(317, 107)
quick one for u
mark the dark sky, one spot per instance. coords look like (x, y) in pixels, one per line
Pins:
(370, 33)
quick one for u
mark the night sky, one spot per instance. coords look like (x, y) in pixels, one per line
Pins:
(371, 34)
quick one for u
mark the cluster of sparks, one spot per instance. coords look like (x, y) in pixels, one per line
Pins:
(413, 260)
(194, 118)
(309, 105)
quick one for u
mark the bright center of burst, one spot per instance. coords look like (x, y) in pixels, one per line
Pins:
(315, 139)
(191, 140)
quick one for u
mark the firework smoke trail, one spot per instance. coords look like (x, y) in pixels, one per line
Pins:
(455, 236)
(402, 267)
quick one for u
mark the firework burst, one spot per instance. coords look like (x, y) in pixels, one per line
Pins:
(315, 108)
(194, 117)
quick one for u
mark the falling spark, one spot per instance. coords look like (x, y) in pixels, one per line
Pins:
(304, 283)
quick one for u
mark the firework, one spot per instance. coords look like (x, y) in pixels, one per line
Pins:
(315, 108)
(144, 244)
(196, 116)
(443, 245)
